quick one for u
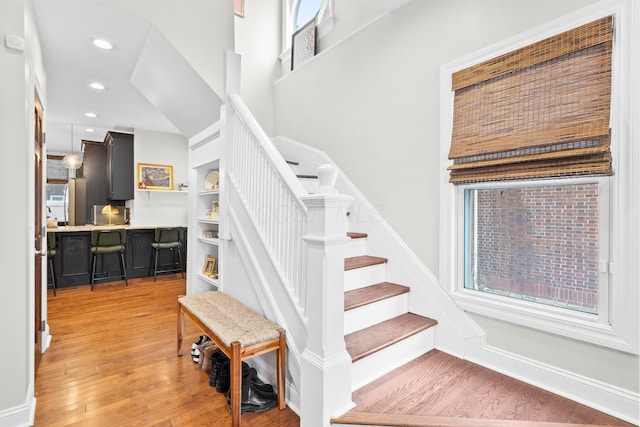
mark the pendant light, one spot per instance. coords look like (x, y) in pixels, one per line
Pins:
(72, 160)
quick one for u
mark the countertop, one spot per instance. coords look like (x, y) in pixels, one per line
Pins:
(75, 228)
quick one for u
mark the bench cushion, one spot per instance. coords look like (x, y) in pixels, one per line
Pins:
(228, 319)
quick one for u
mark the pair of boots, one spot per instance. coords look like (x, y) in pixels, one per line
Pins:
(255, 396)
(219, 375)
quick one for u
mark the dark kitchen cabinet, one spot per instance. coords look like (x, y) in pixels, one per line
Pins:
(94, 171)
(72, 262)
(120, 170)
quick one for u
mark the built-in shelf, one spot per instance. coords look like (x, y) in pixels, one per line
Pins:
(209, 241)
(207, 192)
(205, 158)
(209, 279)
(149, 192)
(208, 221)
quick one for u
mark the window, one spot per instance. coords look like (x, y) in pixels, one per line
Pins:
(57, 177)
(299, 12)
(306, 10)
(536, 210)
(538, 243)
(56, 191)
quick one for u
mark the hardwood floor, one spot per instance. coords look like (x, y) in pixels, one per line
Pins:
(112, 362)
(441, 390)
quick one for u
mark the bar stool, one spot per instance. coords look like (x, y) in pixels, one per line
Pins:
(167, 238)
(51, 252)
(107, 242)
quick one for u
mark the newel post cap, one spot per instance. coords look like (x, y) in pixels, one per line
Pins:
(327, 177)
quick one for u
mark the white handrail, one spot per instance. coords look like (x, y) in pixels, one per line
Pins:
(271, 194)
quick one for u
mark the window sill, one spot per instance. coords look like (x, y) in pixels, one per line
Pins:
(574, 324)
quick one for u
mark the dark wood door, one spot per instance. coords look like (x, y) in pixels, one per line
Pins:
(38, 236)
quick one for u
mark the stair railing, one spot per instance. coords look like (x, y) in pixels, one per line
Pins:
(271, 193)
(306, 236)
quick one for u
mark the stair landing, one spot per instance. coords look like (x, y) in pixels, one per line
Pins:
(438, 389)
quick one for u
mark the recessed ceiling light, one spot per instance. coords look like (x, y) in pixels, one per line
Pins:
(97, 86)
(90, 114)
(90, 130)
(102, 44)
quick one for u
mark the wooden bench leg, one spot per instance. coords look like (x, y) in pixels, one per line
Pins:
(180, 328)
(281, 357)
(235, 388)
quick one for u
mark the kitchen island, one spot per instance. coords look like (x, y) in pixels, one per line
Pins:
(72, 262)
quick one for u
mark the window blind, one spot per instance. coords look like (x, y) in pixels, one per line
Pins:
(540, 111)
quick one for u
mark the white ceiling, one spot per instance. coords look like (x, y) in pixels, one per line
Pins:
(71, 62)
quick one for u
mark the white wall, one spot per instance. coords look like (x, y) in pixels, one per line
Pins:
(257, 40)
(14, 305)
(161, 208)
(16, 168)
(371, 101)
(201, 31)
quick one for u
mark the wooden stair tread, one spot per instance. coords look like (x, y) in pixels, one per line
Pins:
(370, 294)
(354, 235)
(393, 420)
(367, 341)
(362, 261)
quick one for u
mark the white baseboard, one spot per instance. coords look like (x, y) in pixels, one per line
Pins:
(46, 338)
(22, 415)
(617, 402)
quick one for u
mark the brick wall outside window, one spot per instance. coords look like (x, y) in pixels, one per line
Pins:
(538, 243)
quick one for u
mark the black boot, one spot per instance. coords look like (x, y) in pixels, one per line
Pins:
(216, 358)
(255, 397)
(223, 377)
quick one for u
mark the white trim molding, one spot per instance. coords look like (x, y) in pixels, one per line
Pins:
(603, 397)
(22, 415)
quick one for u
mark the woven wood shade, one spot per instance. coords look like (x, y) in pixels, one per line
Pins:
(537, 112)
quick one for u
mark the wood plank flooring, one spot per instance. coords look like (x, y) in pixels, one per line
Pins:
(112, 362)
(438, 386)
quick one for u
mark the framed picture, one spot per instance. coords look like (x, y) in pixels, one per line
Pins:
(303, 44)
(209, 265)
(155, 177)
(238, 8)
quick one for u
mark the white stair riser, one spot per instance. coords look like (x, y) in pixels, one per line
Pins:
(365, 276)
(384, 361)
(356, 247)
(310, 184)
(370, 314)
(294, 168)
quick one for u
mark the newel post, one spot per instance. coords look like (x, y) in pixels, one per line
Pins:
(325, 377)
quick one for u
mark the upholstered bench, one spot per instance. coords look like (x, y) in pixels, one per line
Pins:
(239, 332)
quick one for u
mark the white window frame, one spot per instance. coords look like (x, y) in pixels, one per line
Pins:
(616, 326)
(288, 22)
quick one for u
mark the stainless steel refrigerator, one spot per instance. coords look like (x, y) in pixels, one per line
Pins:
(77, 201)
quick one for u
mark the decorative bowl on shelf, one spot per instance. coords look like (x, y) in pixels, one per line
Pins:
(212, 181)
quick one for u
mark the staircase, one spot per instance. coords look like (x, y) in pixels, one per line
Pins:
(294, 264)
(380, 332)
